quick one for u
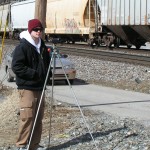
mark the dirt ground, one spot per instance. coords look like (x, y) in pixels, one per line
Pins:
(9, 117)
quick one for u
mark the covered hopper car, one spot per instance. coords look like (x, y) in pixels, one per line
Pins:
(70, 20)
(128, 20)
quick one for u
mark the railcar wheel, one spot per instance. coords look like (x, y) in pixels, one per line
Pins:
(137, 46)
(68, 42)
(117, 42)
(129, 46)
(73, 42)
(90, 42)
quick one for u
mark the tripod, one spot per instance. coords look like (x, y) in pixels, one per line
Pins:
(55, 54)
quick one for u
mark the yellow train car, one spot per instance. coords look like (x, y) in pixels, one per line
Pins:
(70, 20)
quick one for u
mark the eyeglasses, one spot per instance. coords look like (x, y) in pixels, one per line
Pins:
(37, 29)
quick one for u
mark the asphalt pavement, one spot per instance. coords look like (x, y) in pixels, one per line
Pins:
(110, 100)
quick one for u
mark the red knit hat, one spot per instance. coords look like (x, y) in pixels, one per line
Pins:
(34, 23)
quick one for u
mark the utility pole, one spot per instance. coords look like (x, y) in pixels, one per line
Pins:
(40, 12)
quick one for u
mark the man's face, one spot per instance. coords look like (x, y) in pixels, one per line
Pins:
(36, 32)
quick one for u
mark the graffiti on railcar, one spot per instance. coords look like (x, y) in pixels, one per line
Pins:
(71, 26)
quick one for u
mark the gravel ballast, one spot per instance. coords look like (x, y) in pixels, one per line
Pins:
(113, 74)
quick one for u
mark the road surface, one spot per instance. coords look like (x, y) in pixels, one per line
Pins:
(110, 100)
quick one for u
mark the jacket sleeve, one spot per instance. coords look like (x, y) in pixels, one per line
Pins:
(19, 65)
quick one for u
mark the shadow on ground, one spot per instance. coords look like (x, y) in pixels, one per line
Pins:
(84, 138)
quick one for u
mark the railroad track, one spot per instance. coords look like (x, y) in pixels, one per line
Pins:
(101, 53)
(109, 55)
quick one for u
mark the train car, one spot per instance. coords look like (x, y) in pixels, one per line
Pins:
(21, 12)
(5, 17)
(4, 20)
(128, 20)
(70, 20)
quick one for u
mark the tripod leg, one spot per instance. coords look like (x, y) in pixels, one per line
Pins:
(49, 68)
(51, 104)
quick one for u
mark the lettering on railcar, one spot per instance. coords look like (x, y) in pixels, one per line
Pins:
(71, 26)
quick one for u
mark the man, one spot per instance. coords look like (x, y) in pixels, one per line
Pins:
(30, 64)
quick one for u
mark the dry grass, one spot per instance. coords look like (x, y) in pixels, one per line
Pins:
(61, 117)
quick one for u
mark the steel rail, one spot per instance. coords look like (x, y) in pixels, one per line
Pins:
(114, 56)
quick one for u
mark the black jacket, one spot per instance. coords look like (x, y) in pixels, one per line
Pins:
(29, 66)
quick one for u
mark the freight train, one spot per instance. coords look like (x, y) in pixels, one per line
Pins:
(97, 22)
